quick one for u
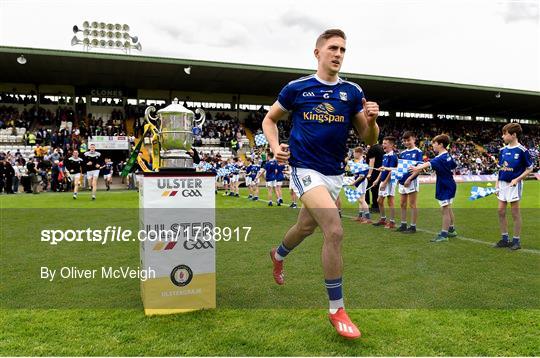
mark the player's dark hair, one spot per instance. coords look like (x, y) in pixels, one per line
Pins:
(512, 128)
(328, 34)
(390, 139)
(442, 139)
(359, 150)
(408, 134)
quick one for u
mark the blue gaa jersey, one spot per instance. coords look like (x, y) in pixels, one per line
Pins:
(389, 160)
(270, 168)
(410, 154)
(254, 170)
(107, 168)
(279, 172)
(445, 186)
(322, 114)
(513, 161)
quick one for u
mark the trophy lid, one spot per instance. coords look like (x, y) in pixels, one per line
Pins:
(174, 107)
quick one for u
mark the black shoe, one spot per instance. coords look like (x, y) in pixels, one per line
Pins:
(502, 244)
(402, 228)
(515, 246)
(270, 204)
(278, 203)
(237, 195)
(93, 198)
(410, 230)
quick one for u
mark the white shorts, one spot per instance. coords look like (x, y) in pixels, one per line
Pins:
(107, 176)
(271, 183)
(248, 180)
(75, 177)
(303, 180)
(92, 173)
(235, 178)
(510, 193)
(278, 183)
(389, 190)
(412, 188)
(362, 187)
(443, 203)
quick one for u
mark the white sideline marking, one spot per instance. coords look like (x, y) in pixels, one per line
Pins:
(530, 251)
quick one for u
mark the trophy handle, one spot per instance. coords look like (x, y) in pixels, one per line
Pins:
(149, 118)
(201, 119)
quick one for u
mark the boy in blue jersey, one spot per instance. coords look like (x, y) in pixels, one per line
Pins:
(408, 184)
(269, 170)
(445, 186)
(360, 182)
(387, 188)
(323, 109)
(251, 179)
(294, 197)
(226, 177)
(107, 171)
(515, 164)
(279, 182)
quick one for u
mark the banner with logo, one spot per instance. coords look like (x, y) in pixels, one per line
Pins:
(109, 142)
(177, 215)
(430, 179)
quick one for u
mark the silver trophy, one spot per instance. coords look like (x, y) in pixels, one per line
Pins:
(176, 126)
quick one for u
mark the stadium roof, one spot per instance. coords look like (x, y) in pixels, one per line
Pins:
(87, 69)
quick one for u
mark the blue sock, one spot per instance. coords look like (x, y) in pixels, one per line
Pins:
(504, 237)
(515, 240)
(335, 293)
(282, 252)
(451, 228)
(367, 215)
(444, 233)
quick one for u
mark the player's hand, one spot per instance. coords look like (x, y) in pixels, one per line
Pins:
(98, 166)
(282, 153)
(514, 182)
(371, 110)
(89, 163)
(414, 169)
(407, 182)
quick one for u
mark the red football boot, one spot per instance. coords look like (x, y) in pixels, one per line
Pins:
(278, 268)
(343, 325)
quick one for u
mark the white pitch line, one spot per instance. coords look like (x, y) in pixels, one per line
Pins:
(530, 251)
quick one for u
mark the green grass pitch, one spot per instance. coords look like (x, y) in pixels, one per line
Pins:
(408, 296)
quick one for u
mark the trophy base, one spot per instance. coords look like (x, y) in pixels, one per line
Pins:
(176, 160)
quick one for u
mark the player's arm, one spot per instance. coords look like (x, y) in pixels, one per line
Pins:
(371, 164)
(358, 180)
(270, 130)
(365, 122)
(418, 168)
(523, 175)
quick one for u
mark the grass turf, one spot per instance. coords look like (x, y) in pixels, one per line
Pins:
(408, 297)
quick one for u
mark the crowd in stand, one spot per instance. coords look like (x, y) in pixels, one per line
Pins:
(475, 145)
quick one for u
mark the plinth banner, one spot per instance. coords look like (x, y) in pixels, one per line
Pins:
(177, 215)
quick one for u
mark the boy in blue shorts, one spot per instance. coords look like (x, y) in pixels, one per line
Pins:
(445, 187)
(515, 164)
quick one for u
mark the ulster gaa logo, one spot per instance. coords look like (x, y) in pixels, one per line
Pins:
(181, 275)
